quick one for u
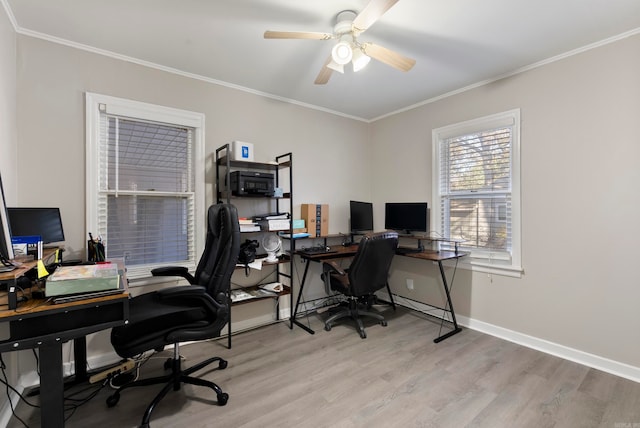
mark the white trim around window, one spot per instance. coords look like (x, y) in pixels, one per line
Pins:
(96, 106)
(507, 261)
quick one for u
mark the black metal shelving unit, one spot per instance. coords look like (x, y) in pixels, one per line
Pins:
(282, 168)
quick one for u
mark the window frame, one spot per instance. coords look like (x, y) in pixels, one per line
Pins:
(486, 261)
(95, 105)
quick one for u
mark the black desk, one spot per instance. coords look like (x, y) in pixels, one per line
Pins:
(350, 251)
(439, 257)
(337, 252)
(40, 324)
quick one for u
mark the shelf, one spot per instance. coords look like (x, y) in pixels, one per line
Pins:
(253, 289)
(225, 194)
(315, 237)
(273, 166)
(285, 259)
(282, 169)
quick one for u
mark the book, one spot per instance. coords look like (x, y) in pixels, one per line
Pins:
(249, 227)
(240, 295)
(272, 287)
(295, 235)
(27, 245)
(82, 279)
(275, 225)
(272, 216)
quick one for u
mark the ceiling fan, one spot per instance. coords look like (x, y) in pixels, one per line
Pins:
(349, 26)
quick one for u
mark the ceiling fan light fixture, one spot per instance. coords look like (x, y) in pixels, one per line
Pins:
(335, 66)
(360, 60)
(342, 53)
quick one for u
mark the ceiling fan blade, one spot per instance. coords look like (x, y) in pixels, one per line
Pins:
(389, 57)
(325, 73)
(370, 14)
(297, 35)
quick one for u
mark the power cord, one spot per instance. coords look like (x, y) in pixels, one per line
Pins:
(8, 387)
(69, 408)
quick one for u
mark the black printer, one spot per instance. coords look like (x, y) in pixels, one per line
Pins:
(250, 183)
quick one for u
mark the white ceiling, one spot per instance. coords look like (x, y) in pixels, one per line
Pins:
(456, 43)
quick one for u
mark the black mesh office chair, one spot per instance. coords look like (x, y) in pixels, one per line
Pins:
(367, 274)
(184, 313)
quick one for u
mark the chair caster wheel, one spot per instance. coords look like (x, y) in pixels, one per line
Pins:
(113, 399)
(223, 398)
(383, 323)
(222, 364)
(168, 363)
(363, 335)
(327, 327)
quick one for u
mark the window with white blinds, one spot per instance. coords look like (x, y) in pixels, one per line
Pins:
(476, 188)
(145, 174)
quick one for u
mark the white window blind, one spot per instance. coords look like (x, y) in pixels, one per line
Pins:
(475, 189)
(145, 202)
(475, 203)
(147, 191)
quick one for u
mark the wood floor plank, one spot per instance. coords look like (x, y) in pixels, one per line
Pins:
(397, 376)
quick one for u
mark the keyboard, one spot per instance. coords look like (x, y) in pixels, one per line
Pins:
(316, 251)
(407, 250)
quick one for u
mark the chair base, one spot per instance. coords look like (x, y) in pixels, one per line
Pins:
(173, 381)
(354, 312)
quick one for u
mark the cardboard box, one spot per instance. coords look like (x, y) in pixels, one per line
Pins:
(316, 217)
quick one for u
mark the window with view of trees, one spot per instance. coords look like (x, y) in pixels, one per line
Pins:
(476, 187)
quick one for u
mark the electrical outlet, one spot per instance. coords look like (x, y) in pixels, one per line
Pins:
(409, 284)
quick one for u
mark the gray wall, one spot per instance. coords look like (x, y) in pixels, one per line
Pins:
(8, 133)
(580, 200)
(8, 144)
(579, 178)
(52, 80)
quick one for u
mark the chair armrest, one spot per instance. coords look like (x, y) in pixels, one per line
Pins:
(219, 310)
(188, 291)
(329, 267)
(180, 271)
(332, 266)
(195, 292)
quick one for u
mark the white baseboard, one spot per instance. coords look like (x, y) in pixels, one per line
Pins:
(251, 323)
(30, 379)
(616, 368)
(5, 409)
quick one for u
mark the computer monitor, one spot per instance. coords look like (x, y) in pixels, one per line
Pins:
(45, 222)
(406, 217)
(361, 216)
(6, 248)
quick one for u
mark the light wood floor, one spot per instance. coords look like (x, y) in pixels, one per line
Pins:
(397, 377)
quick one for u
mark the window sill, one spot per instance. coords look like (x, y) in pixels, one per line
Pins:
(495, 268)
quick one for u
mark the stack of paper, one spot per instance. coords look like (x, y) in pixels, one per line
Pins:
(247, 225)
(275, 225)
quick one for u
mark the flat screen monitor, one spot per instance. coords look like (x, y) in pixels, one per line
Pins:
(6, 248)
(45, 222)
(361, 216)
(406, 217)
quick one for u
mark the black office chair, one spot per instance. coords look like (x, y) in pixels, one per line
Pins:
(184, 313)
(367, 274)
